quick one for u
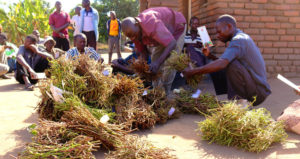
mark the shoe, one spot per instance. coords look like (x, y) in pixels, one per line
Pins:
(243, 103)
(5, 77)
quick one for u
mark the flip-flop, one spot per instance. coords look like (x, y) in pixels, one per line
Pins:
(29, 87)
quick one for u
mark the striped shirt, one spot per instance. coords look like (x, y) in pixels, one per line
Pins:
(188, 40)
(73, 53)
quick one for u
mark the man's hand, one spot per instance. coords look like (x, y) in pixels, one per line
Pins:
(154, 67)
(206, 50)
(62, 35)
(298, 93)
(32, 73)
(188, 72)
(33, 48)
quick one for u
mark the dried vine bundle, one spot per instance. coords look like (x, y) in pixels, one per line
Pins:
(80, 147)
(161, 106)
(190, 105)
(231, 125)
(136, 114)
(181, 61)
(135, 148)
(141, 67)
(55, 140)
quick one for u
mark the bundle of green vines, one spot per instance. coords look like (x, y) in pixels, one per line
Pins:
(181, 61)
(190, 105)
(253, 130)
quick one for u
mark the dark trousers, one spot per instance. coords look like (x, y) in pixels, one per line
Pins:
(21, 71)
(241, 85)
(91, 39)
(62, 43)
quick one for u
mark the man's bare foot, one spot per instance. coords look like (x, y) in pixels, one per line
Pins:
(29, 87)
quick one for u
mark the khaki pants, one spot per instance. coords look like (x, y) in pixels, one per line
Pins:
(168, 75)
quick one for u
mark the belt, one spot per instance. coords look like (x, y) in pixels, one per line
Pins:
(114, 36)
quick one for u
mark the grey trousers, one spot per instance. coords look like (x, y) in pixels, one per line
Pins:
(242, 86)
(113, 41)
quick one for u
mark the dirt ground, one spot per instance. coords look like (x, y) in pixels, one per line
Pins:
(17, 113)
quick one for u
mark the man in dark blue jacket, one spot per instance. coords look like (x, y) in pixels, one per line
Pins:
(113, 26)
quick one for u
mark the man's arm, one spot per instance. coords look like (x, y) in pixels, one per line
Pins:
(43, 54)
(122, 67)
(214, 66)
(63, 27)
(156, 64)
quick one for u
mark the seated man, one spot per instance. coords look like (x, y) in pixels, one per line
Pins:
(80, 43)
(9, 54)
(49, 44)
(37, 34)
(30, 60)
(193, 46)
(244, 64)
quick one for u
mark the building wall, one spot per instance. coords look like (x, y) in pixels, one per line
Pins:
(274, 25)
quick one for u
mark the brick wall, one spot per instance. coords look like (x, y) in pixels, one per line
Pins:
(273, 24)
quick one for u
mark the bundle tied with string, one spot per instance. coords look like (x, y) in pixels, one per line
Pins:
(189, 105)
(142, 69)
(161, 105)
(181, 61)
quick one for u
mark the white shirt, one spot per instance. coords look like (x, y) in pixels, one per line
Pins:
(76, 21)
(88, 22)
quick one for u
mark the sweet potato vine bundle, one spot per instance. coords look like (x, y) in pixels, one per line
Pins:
(181, 61)
(141, 67)
(55, 140)
(252, 130)
(161, 106)
(190, 105)
(135, 148)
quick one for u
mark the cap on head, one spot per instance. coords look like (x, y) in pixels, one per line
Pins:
(49, 38)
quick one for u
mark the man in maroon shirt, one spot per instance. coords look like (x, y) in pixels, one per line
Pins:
(59, 22)
(156, 32)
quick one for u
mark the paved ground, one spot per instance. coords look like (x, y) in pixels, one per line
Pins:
(17, 112)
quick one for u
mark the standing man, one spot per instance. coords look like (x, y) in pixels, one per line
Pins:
(242, 59)
(76, 22)
(156, 32)
(113, 26)
(59, 22)
(89, 23)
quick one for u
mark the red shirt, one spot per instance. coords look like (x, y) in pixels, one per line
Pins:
(160, 26)
(58, 20)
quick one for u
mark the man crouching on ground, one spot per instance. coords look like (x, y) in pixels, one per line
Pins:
(242, 59)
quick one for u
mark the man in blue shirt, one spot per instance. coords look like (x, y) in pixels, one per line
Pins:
(242, 59)
(89, 23)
